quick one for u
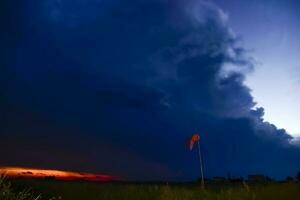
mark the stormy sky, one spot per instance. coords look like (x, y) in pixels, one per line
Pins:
(118, 87)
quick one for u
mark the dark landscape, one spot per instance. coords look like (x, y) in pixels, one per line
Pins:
(51, 189)
(33, 184)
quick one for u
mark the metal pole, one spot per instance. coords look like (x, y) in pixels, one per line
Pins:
(201, 166)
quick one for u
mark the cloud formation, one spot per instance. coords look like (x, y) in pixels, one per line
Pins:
(118, 87)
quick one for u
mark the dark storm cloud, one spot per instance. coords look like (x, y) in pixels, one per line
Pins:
(118, 87)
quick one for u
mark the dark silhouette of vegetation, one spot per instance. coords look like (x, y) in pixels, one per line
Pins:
(298, 176)
(7, 193)
(67, 190)
(256, 187)
(289, 179)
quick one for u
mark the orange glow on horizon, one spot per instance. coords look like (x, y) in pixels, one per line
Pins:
(21, 172)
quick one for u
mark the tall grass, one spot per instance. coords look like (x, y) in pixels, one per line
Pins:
(98, 191)
(7, 193)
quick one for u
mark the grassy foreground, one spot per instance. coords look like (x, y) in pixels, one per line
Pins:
(7, 192)
(96, 191)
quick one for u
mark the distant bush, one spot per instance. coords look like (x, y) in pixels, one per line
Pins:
(298, 176)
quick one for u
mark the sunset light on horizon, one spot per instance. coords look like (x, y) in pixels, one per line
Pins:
(22, 172)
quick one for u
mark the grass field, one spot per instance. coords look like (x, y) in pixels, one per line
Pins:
(112, 191)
